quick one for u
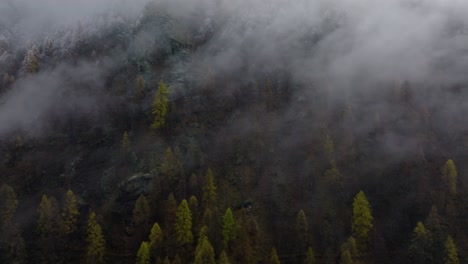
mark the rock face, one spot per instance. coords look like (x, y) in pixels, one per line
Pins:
(135, 186)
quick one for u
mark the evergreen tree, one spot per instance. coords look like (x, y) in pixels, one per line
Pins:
(170, 211)
(70, 213)
(141, 211)
(8, 204)
(419, 250)
(346, 257)
(310, 257)
(209, 190)
(183, 225)
(160, 107)
(449, 173)
(166, 260)
(139, 87)
(31, 61)
(46, 221)
(228, 227)
(95, 248)
(156, 239)
(362, 220)
(302, 229)
(274, 259)
(223, 258)
(143, 255)
(204, 253)
(451, 254)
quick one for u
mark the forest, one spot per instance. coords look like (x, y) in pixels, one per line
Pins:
(213, 132)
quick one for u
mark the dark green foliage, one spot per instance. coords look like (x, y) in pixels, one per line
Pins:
(362, 221)
(228, 227)
(451, 254)
(141, 211)
(183, 225)
(160, 107)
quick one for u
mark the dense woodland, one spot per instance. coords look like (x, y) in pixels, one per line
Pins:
(146, 155)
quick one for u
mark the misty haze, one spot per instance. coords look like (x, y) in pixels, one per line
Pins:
(246, 131)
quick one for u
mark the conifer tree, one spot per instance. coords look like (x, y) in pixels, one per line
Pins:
(160, 107)
(223, 258)
(141, 211)
(310, 257)
(362, 221)
(449, 173)
(31, 61)
(228, 227)
(8, 204)
(274, 259)
(302, 229)
(70, 213)
(45, 222)
(96, 244)
(143, 255)
(209, 190)
(451, 254)
(140, 87)
(346, 257)
(193, 205)
(166, 260)
(156, 239)
(419, 250)
(183, 225)
(170, 211)
(204, 253)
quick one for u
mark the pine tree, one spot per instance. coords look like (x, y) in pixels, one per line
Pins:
(274, 259)
(228, 227)
(160, 107)
(346, 257)
(70, 213)
(183, 225)
(166, 260)
(95, 241)
(204, 253)
(31, 61)
(141, 211)
(193, 205)
(449, 173)
(302, 229)
(170, 211)
(223, 258)
(310, 257)
(362, 221)
(8, 204)
(46, 221)
(420, 245)
(139, 87)
(451, 254)
(156, 239)
(143, 255)
(209, 190)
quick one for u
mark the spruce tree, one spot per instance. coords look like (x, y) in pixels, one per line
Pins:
(141, 211)
(223, 258)
(274, 259)
(96, 244)
(183, 225)
(8, 204)
(346, 257)
(156, 239)
(160, 107)
(449, 173)
(45, 222)
(170, 211)
(451, 254)
(362, 221)
(209, 190)
(310, 257)
(70, 213)
(419, 250)
(143, 255)
(204, 253)
(302, 229)
(228, 227)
